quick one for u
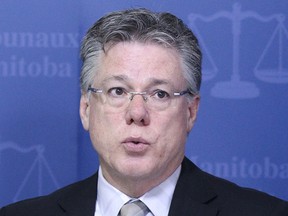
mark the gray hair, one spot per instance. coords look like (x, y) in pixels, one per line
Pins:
(144, 26)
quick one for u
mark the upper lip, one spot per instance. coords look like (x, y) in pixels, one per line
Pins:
(135, 140)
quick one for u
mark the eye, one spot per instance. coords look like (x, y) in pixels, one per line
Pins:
(160, 94)
(117, 92)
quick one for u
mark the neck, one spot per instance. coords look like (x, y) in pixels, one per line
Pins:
(136, 187)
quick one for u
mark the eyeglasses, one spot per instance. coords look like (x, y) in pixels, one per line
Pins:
(119, 97)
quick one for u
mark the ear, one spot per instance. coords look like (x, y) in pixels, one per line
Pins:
(84, 111)
(192, 111)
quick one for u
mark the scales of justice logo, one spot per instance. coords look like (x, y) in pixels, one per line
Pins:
(39, 165)
(236, 88)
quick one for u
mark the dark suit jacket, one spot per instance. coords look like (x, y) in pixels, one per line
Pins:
(196, 194)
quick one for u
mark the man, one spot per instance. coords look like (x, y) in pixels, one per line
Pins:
(140, 86)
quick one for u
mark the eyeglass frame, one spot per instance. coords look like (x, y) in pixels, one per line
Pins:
(143, 94)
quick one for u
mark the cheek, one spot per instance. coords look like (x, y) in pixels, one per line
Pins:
(104, 128)
(97, 125)
(101, 119)
(175, 121)
(171, 130)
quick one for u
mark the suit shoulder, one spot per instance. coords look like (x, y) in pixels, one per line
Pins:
(228, 197)
(239, 197)
(29, 206)
(47, 203)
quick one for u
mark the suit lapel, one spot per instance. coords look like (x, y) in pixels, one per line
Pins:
(192, 194)
(81, 200)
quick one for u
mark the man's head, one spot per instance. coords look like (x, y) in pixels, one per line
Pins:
(140, 80)
(143, 26)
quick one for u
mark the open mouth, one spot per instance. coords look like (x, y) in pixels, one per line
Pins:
(135, 145)
(135, 140)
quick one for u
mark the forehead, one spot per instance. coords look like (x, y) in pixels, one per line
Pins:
(141, 63)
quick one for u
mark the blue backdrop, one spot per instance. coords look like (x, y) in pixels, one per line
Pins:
(241, 133)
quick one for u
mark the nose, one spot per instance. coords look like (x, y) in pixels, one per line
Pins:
(137, 112)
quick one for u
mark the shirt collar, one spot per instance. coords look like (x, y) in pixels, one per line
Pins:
(109, 199)
(158, 199)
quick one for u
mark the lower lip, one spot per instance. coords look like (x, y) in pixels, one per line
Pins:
(131, 147)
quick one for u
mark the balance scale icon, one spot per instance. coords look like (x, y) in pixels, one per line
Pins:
(236, 88)
(40, 165)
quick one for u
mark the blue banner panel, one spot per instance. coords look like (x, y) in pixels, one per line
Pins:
(241, 133)
(39, 94)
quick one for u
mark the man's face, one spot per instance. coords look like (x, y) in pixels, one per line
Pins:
(135, 141)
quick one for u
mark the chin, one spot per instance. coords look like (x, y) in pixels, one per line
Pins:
(137, 169)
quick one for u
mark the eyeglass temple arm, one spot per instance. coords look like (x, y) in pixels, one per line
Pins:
(183, 93)
(94, 90)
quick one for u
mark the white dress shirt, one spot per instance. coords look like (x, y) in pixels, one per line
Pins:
(158, 199)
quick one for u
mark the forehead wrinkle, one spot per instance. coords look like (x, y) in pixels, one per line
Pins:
(125, 79)
(121, 78)
(155, 81)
